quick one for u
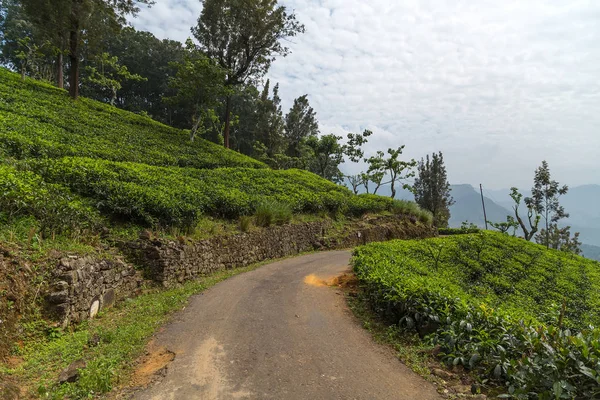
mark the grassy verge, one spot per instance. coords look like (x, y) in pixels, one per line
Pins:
(409, 348)
(412, 351)
(121, 334)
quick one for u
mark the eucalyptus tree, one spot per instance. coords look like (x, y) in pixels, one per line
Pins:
(545, 195)
(67, 23)
(244, 37)
(300, 123)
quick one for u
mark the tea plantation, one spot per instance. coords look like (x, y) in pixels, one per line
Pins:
(39, 120)
(89, 158)
(511, 310)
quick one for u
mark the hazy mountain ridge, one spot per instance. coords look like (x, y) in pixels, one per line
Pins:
(580, 203)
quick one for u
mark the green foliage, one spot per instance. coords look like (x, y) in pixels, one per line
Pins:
(243, 36)
(505, 227)
(327, 155)
(392, 166)
(559, 239)
(272, 212)
(140, 171)
(180, 196)
(509, 309)
(37, 120)
(197, 84)
(111, 76)
(300, 124)
(24, 193)
(154, 59)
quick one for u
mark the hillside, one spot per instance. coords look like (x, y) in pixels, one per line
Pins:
(39, 120)
(493, 304)
(133, 169)
(579, 202)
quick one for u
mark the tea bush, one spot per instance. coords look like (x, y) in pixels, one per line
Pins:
(38, 120)
(23, 193)
(170, 196)
(509, 309)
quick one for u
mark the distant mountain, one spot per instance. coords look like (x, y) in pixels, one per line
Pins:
(581, 202)
(591, 252)
(467, 207)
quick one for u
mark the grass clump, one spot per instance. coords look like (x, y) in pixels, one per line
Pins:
(245, 223)
(512, 311)
(272, 213)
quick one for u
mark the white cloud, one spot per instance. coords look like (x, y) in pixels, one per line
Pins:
(497, 86)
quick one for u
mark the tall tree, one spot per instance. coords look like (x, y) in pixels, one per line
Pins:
(244, 36)
(66, 23)
(270, 125)
(145, 55)
(300, 123)
(51, 22)
(198, 83)
(353, 149)
(544, 199)
(328, 154)
(432, 189)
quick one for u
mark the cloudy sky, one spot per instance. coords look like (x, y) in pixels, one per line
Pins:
(497, 86)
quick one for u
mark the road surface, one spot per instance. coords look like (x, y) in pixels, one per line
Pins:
(277, 333)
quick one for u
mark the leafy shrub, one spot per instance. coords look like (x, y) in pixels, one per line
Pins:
(405, 207)
(507, 308)
(272, 212)
(37, 120)
(24, 193)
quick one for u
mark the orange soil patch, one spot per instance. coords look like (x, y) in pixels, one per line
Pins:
(346, 280)
(149, 365)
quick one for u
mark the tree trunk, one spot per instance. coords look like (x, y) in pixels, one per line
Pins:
(227, 121)
(60, 81)
(74, 60)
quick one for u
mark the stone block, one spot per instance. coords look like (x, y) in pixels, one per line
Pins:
(108, 299)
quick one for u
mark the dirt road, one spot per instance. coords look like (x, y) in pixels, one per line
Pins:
(278, 333)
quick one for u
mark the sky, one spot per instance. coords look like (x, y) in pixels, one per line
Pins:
(497, 86)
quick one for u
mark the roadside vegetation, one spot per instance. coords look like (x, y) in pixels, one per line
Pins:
(111, 343)
(520, 316)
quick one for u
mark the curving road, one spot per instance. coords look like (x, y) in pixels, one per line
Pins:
(273, 333)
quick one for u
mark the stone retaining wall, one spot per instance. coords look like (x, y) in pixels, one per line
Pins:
(170, 262)
(84, 285)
